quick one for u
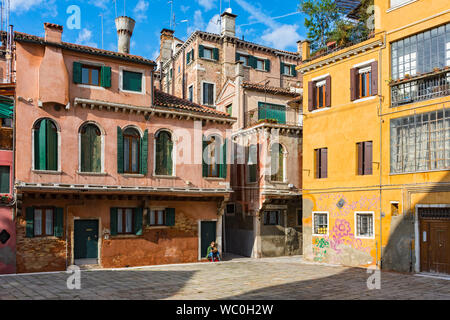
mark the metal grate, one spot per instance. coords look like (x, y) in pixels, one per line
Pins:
(435, 213)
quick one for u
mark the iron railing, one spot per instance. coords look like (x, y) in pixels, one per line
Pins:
(252, 118)
(430, 87)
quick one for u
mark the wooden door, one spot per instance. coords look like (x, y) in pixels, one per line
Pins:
(435, 240)
(86, 239)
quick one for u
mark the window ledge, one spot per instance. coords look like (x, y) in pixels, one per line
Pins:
(125, 236)
(364, 99)
(278, 182)
(400, 5)
(207, 59)
(88, 86)
(132, 175)
(319, 235)
(414, 172)
(365, 238)
(164, 177)
(47, 172)
(92, 173)
(44, 238)
(214, 179)
(320, 110)
(156, 227)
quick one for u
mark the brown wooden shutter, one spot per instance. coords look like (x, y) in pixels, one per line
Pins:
(311, 93)
(317, 158)
(324, 163)
(368, 158)
(374, 80)
(360, 158)
(353, 84)
(328, 92)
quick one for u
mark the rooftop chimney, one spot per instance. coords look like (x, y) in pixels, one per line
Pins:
(165, 50)
(228, 23)
(53, 32)
(125, 27)
(306, 50)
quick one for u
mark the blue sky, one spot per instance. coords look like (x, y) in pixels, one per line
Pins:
(272, 23)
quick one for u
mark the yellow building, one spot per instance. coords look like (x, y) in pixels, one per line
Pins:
(376, 147)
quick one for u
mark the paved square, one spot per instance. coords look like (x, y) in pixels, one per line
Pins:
(269, 278)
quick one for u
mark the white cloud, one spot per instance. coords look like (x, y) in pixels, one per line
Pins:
(24, 5)
(48, 8)
(85, 38)
(140, 11)
(198, 22)
(207, 4)
(277, 35)
(213, 25)
(281, 37)
(184, 9)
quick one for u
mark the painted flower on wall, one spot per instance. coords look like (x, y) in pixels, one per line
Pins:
(342, 229)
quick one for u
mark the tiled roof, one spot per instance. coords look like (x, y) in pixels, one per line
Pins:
(163, 99)
(269, 89)
(19, 36)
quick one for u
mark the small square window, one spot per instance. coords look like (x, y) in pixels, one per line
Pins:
(272, 218)
(90, 75)
(125, 221)
(260, 64)
(132, 81)
(43, 222)
(364, 225)
(157, 218)
(320, 223)
(207, 53)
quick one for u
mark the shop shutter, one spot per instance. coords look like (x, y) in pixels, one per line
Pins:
(77, 77)
(311, 94)
(113, 221)
(138, 218)
(106, 77)
(353, 84)
(200, 51)
(119, 150)
(374, 72)
(223, 166)
(368, 158)
(170, 217)
(216, 54)
(59, 222)
(360, 158)
(29, 216)
(267, 65)
(328, 92)
(144, 153)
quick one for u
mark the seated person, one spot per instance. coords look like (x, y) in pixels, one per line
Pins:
(213, 253)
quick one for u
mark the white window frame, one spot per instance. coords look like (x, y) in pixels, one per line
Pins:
(94, 64)
(212, 52)
(290, 69)
(285, 154)
(314, 227)
(214, 93)
(189, 87)
(357, 235)
(142, 71)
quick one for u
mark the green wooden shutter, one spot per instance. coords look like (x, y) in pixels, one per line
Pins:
(106, 77)
(216, 54)
(144, 153)
(293, 71)
(200, 51)
(169, 165)
(238, 56)
(281, 67)
(267, 65)
(77, 78)
(170, 217)
(119, 150)
(52, 146)
(223, 166)
(29, 232)
(132, 81)
(138, 216)
(42, 137)
(192, 55)
(59, 222)
(5, 179)
(113, 221)
(252, 62)
(205, 165)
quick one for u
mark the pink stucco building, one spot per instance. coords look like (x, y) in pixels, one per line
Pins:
(110, 170)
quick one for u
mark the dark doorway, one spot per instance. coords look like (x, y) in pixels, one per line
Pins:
(207, 235)
(86, 239)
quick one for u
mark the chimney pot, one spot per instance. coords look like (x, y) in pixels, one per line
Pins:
(53, 32)
(228, 23)
(306, 50)
(125, 27)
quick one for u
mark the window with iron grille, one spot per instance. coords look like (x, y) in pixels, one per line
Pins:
(364, 225)
(320, 223)
(421, 142)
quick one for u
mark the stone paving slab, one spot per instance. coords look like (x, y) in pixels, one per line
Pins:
(262, 279)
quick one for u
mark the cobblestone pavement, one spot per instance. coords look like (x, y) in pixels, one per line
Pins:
(270, 278)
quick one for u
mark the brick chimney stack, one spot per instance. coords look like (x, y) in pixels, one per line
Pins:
(53, 32)
(228, 23)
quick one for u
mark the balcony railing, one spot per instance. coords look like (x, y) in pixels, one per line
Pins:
(252, 118)
(419, 89)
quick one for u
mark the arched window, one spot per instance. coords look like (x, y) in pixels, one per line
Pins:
(91, 148)
(252, 162)
(163, 154)
(131, 150)
(277, 162)
(214, 157)
(45, 145)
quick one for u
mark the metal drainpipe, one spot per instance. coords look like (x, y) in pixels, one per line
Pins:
(380, 95)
